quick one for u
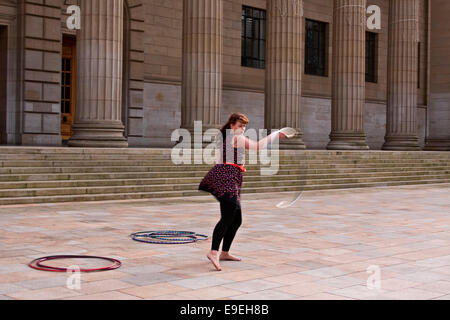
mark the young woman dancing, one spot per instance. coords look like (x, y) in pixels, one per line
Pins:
(224, 182)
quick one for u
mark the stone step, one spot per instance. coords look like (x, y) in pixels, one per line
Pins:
(310, 155)
(196, 179)
(167, 151)
(148, 195)
(129, 168)
(201, 173)
(135, 163)
(82, 157)
(29, 192)
(60, 150)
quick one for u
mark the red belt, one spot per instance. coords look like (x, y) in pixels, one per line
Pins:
(236, 165)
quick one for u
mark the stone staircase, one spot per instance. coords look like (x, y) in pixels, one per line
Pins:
(49, 175)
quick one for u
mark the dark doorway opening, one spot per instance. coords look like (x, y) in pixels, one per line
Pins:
(3, 83)
(68, 81)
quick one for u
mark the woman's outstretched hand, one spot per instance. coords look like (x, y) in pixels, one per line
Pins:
(287, 133)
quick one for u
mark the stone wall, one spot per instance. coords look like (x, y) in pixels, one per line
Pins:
(41, 75)
(162, 114)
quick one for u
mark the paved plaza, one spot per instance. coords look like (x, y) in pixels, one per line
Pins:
(375, 243)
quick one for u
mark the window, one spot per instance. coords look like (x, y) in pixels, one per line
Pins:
(66, 85)
(253, 37)
(371, 57)
(315, 47)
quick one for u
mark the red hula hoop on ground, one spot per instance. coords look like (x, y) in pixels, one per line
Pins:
(38, 265)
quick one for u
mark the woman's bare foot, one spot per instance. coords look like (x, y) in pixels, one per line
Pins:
(213, 256)
(226, 256)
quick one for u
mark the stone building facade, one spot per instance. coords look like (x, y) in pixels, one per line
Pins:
(137, 70)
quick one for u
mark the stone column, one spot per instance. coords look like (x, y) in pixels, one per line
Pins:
(202, 63)
(348, 76)
(439, 106)
(99, 76)
(284, 68)
(401, 118)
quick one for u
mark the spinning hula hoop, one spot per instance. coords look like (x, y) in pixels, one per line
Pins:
(168, 237)
(38, 265)
(290, 133)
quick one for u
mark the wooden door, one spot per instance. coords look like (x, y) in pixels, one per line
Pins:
(68, 67)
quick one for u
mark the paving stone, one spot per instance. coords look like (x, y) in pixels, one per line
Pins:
(323, 296)
(94, 287)
(414, 294)
(252, 285)
(112, 295)
(305, 288)
(145, 269)
(292, 278)
(201, 282)
(395, 284)
(44, 294)
(341, 281)
(9, 288)
(215, 292)
(358, 292)
(149, 278)
(7, 268)
(326, 272)
(435, 286)
(264, 295)
(154, 290)
(424, 276)
(44, 283)
(243, 275)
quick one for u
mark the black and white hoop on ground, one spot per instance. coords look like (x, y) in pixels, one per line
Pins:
(168, 237)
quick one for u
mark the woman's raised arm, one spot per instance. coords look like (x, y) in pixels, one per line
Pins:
(249, 144)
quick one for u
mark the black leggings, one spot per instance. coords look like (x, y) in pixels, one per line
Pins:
(226, 228)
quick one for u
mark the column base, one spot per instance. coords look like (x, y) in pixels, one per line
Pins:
(402, 143)
(295, 143)
(347, 141)
(98, 134)
(437, 145)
